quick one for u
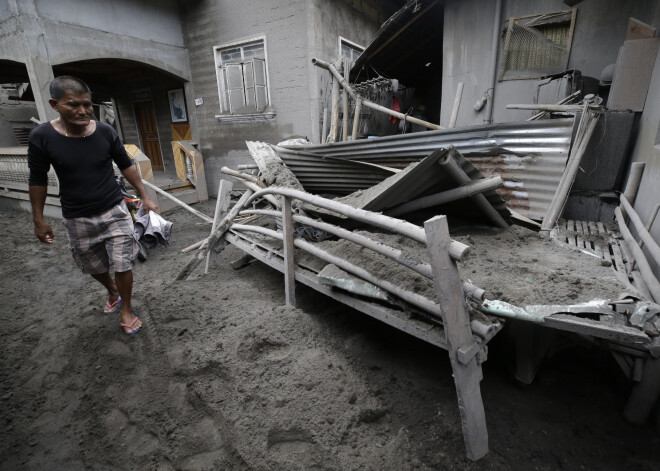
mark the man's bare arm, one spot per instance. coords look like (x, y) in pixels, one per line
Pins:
(42, 230)
(136, 182)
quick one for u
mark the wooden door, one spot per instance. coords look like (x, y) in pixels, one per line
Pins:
(146, 123)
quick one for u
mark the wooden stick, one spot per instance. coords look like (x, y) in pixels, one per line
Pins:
(221, 207)
(461, 345)
(634, 179)
(563, 189)
(215, 236)
(334, 114)
(289, 253)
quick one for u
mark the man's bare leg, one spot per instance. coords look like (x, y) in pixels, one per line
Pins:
(106, 280)
(124, 281)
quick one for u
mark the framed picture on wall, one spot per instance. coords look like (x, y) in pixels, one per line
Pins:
(177, 106)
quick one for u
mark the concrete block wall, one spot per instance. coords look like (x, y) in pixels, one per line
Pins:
(295, 31)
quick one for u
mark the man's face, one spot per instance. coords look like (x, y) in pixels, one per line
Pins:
(74, 109)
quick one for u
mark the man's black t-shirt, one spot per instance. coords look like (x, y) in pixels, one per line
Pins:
(83, 166)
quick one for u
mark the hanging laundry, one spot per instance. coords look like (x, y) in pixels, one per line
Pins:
(395, 107)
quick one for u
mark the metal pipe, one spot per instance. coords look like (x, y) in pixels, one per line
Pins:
(457, 250)
(456, 173)
(494, 48)
(640, 259)
(469, 189)
(369, 104)
(178, 201)
(408, 296)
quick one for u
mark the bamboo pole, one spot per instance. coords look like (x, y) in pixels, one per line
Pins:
(423, 269)
(334, 114)
(457, 104)
(356, 117)
(324, 126)
(370, 104)
(408, 296)
(651, 245)
(634, 179)
(457, 250)
(344, 104)
(178, 201)
(468, 189)
(560, 102)
(456, 173)
(642, 264)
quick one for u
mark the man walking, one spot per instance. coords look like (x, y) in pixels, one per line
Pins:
(98, 224)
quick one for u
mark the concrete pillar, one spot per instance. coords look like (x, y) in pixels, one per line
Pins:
(35, 55)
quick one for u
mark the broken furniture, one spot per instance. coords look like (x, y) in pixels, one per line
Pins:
(444, 322)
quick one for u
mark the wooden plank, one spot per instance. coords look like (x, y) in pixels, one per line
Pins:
(221, 208)
(587, 234)
(289, 260)
(570, 232)
(456, 320)
(584, 326)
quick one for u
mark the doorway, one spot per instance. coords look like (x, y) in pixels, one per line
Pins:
(146, 124)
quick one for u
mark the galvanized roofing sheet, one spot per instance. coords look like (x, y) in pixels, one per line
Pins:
(321, 174)
(530, 155)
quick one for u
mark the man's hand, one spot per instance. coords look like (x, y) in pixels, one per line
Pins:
(149, 205)
(44, 232)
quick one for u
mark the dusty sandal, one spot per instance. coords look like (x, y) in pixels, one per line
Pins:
(130, 326)
(112, 308)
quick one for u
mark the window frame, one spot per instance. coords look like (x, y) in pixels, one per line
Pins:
(225, 110)
(530, 75)
(353, 45)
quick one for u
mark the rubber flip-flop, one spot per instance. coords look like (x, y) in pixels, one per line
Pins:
(112, 308)
(130, 326)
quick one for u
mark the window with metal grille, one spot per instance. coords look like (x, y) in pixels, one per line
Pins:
(537, 45)
(242, 77)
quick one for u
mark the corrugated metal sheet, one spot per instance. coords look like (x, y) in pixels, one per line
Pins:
(530, 156)
(321, 174)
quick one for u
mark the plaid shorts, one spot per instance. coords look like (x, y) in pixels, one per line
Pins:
(103, 243)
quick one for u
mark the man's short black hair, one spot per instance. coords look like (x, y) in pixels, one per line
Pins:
(60, 85)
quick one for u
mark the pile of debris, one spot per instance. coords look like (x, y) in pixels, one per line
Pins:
(365, 250)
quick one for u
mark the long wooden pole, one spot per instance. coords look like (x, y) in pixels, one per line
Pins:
(178, 201)
(356, 117)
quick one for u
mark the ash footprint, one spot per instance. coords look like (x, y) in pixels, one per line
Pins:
(294, 449)
(253, 348)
